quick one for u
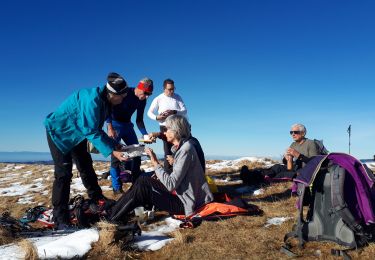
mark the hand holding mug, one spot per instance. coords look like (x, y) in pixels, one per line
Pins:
(293, 152)
(152, 156)
(170, 159)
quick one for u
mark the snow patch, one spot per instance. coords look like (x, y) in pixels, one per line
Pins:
(106, 188)
(7, 167)
(76, 244)
(6, 179)
(276, 221)
(28, 199)
(258, 192)
(156, 237)
(15, 189)
(27, 173)
(235, 163)
(251, 190)
(151, 240)
(77, 185)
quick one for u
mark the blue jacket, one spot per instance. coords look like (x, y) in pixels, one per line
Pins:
(81, 116)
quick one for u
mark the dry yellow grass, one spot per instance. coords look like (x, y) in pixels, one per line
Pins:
(243, 237)
(105, 246)
(30, 251)
(6, 236)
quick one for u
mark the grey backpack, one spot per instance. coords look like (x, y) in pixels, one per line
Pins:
(321, 148)
(328, 216)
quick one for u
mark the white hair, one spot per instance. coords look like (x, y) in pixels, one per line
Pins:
(300, 127)
(179, 125)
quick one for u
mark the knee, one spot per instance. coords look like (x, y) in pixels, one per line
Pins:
(63, 171)
(63, 178)
(85, 167)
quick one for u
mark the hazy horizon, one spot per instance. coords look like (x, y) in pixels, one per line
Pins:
(31, 156)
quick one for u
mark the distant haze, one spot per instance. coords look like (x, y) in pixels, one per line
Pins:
(27, 156)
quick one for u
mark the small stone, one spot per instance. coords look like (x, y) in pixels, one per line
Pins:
(318, 253)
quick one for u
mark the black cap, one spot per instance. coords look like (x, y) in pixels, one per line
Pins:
(116, 84)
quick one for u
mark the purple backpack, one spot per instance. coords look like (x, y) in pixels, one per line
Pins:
(338, 191)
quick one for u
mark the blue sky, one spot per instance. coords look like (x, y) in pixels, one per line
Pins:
(247, 70)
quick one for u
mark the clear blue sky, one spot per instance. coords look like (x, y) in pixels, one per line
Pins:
(247, 70)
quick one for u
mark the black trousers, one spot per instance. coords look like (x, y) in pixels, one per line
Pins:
(146, 192)
(258, 176)
(167, 151)
(63, 176)
(279, 171)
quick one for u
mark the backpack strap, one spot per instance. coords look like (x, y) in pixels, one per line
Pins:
(343, 253)
(321, 148)
(340, 207)
(286, 249)
(297, 229)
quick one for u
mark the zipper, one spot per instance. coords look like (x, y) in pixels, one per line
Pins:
(316, 172)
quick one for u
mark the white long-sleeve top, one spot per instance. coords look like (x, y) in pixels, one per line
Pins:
(163, 103)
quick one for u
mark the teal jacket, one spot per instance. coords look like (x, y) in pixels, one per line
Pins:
(81, 116)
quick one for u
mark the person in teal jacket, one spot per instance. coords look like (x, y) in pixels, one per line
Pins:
(79, 119)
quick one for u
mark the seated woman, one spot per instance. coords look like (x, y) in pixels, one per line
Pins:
(194, 141)
(187, 178)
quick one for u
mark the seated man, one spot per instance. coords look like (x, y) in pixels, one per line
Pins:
(299, 153)
(187, 178)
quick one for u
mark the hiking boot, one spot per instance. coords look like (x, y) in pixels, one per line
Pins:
(101, 205)
(251, 177)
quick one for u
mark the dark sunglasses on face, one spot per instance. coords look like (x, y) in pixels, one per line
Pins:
(295, 132)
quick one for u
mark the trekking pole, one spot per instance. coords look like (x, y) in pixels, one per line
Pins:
(349, 132)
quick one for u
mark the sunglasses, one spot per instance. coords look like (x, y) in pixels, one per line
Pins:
(295, 132)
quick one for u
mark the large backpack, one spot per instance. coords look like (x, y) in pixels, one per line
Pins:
(321, 148)
(83, 212)
(339, 202)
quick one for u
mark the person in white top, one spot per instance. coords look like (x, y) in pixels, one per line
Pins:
(166, 104)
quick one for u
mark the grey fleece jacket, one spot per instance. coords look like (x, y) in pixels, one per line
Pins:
(307, 150)
(187, 179)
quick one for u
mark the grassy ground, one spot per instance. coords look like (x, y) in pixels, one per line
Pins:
(243, 237)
